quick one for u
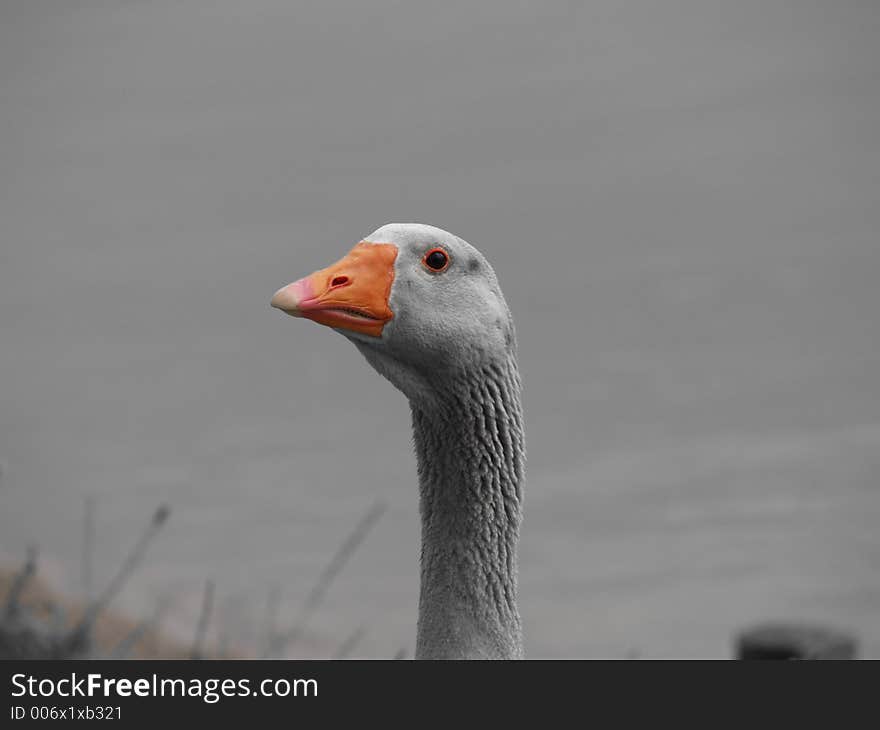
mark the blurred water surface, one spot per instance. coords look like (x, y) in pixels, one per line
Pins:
(681, 200)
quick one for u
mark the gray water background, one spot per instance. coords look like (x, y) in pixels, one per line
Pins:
(681, 200)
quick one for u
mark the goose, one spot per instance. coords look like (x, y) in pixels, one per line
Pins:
(426, 311)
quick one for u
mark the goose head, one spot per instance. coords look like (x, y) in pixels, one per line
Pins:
(422, 305)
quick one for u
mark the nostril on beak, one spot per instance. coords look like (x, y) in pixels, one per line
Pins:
(339, 281)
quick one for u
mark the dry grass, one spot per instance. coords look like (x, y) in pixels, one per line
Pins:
(39, 622)
(41, 606)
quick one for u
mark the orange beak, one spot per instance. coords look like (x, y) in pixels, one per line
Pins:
(352, 294)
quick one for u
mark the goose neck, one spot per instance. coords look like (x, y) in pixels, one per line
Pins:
(470, 452)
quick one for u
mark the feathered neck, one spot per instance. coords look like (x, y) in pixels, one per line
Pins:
(470, 450)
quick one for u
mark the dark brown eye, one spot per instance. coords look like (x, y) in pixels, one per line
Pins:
(436, 259)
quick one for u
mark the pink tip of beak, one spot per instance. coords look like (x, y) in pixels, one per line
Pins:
(288, 298)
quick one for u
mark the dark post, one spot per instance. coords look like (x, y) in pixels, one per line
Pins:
(780, 640)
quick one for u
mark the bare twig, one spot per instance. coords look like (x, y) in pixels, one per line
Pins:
(350, 644)
(28, 570)
(131, 561)
(204, 619)
(325, 579)
(129, 641)
(88, 553)
(270, 620)
(142, 630)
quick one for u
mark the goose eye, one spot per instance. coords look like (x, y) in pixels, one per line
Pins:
(436, 259)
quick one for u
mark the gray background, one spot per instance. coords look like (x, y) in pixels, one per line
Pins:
(682, 202)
